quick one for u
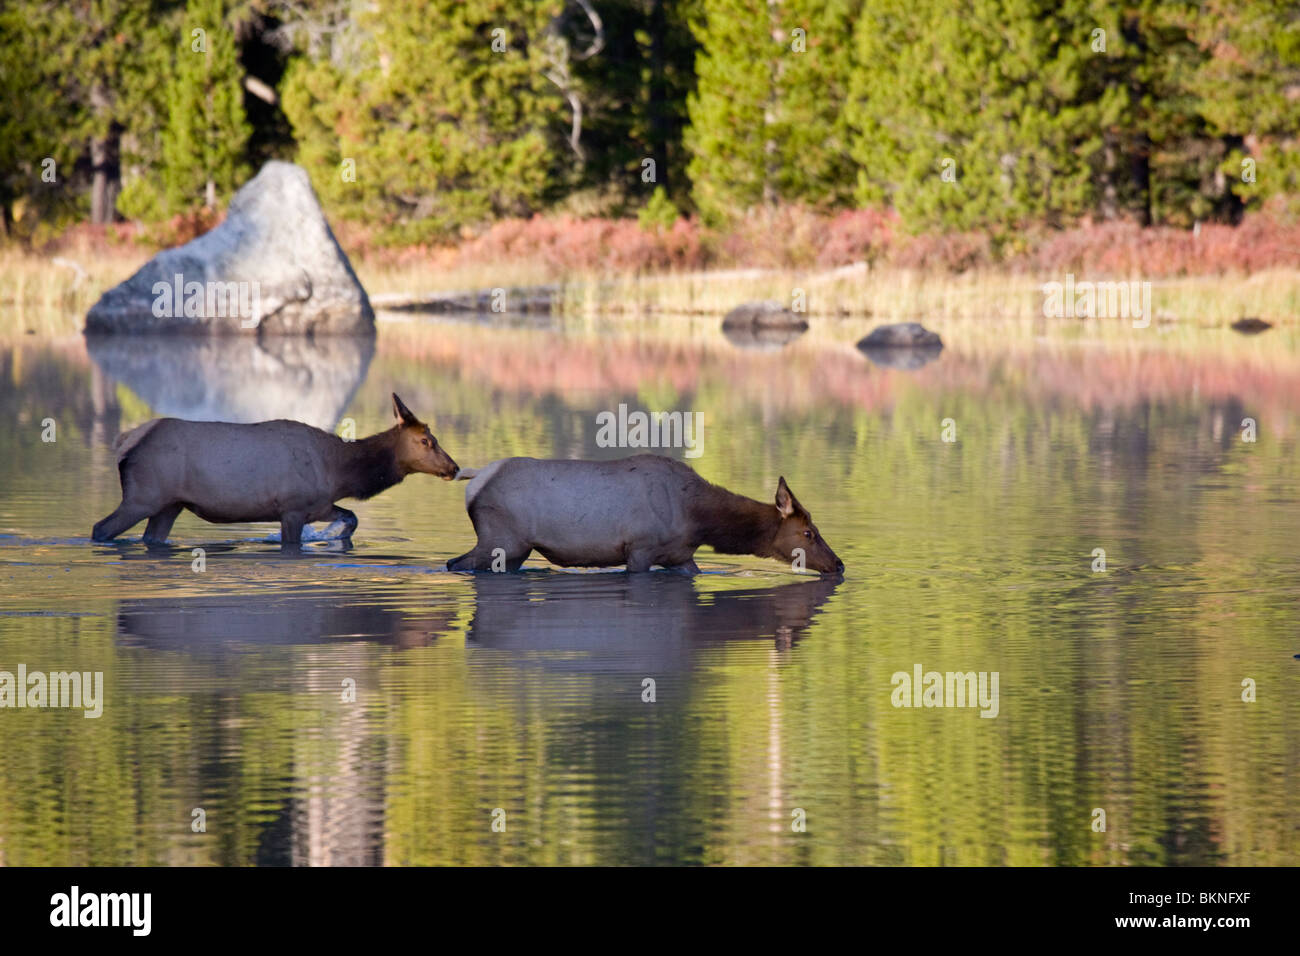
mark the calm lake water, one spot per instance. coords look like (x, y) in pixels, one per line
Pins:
(519, 698)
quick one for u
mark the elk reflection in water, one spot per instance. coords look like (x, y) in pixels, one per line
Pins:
(636, 619)
(313, 615)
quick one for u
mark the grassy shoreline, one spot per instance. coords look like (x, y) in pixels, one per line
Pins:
(49, 294)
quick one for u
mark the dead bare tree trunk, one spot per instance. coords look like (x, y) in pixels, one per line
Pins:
(558, 55)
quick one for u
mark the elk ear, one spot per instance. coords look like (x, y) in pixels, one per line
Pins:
(402, 413)
(785, 503)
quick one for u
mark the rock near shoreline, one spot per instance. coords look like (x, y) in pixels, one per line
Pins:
(272, 266)
(763, 315)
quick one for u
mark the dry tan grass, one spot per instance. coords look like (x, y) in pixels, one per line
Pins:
(50, 294)
(898, 295)
(885, 294)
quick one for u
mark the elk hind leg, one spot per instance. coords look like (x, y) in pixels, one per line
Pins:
(492, 556)
(126, 515)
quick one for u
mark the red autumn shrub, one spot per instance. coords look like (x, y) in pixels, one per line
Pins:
(856, 235)
(949, 252)
(783, 237)
(1118, 248)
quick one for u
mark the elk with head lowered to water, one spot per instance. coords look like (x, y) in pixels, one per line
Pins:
(639, 512)
(271, 471)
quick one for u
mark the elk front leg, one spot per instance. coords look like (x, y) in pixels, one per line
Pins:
(638, 561)
(291, 530)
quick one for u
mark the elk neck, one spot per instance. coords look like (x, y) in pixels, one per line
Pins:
(733, 524)
(367, 466)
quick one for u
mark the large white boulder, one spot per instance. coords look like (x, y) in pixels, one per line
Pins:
(272, 267)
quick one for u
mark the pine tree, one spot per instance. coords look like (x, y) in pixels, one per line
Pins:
(977, 121)
(203, 143)
(734, 162)
(85, 92)
(447, 117)
(1159, 156)
(1248, 91)
(813, 89)
(35, 117)
(767, 122)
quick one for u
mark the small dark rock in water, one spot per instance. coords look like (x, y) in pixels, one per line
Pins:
(903, 345)
(1250, 326)
(763, 315)
(904, 335)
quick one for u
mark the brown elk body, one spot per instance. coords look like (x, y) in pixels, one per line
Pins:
(639, 512)
(271, 471)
